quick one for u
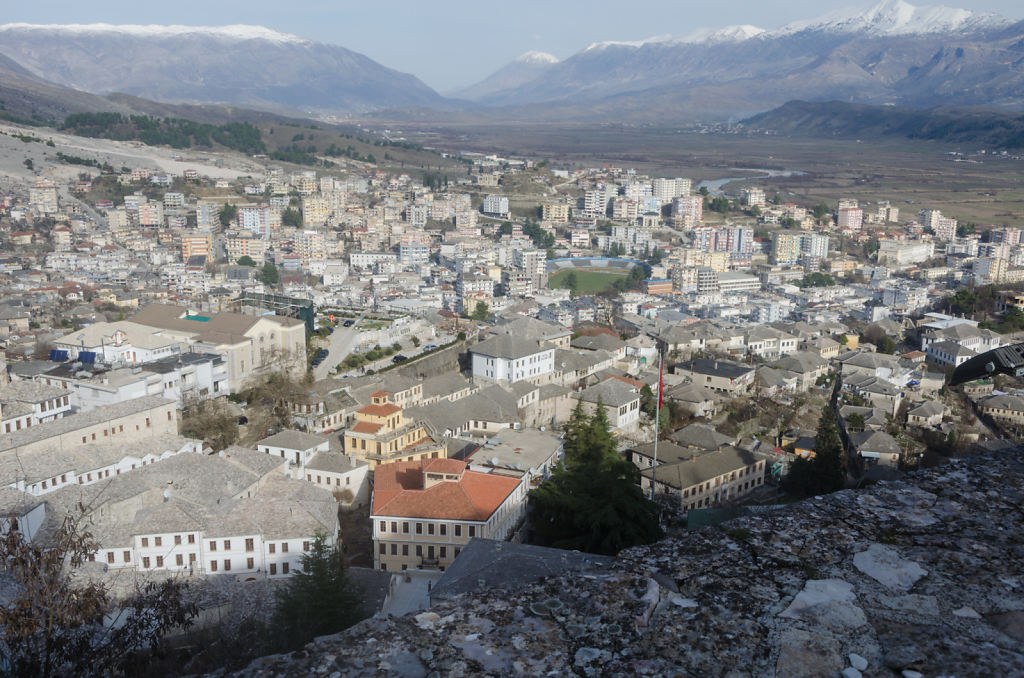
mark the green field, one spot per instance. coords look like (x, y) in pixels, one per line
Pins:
(589, 280)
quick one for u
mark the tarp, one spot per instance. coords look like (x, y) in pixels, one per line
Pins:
(58, 355)
(87, 356)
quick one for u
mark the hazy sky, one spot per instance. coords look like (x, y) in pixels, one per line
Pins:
(452, 43)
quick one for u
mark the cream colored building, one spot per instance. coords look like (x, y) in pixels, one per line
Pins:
(424, 512)
(709, 479)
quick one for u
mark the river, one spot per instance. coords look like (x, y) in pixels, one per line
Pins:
(715, 185)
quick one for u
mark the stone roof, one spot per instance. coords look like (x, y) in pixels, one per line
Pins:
(701, 436)
(332, 462)
(874, 441)
(507, 347)
(612, 393)
(928, 408)
(294, 440)
(702, 467)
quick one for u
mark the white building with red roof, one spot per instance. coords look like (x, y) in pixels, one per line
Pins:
(425, 511)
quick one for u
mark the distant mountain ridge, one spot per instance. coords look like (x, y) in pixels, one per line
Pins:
(249, 66)
(889, 53)
(522, 70)
(980, 128)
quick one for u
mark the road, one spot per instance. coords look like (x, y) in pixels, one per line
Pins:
(340, 344)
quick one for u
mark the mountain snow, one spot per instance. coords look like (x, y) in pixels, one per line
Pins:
(234, 32)
(896, 17)
(537, 58)
(709, 36)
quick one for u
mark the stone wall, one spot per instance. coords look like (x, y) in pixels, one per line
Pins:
(919, 577)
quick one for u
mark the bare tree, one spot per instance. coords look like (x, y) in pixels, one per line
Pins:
(59, 624)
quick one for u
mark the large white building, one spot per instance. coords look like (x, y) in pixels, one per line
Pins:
(496, 206)
(504, 358)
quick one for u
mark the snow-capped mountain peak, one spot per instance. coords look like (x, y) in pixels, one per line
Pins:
(233, 32)
(726, 34)
(533, 57)
(896, 17)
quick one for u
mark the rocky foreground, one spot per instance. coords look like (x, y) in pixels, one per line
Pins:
(923, 577)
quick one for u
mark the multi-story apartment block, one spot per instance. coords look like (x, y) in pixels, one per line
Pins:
(754, 197)
(196, 245)
(785, 248)
(255, 219)
(667, 190)
(240, 245)
(496, 206)
(414, 248)
(556, 212)
(424, 512)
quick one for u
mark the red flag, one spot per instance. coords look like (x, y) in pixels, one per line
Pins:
(661, 380)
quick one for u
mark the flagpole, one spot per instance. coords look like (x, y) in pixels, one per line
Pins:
(657, 422)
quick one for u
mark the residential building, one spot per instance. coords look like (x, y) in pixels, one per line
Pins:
(382, 434)
(424, 512)
(707, 480)
(507, 359)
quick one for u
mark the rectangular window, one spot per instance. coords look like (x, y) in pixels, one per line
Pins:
(127, 555)
(250, 544)
(458, 530)
(419, 528)
(394, 549)
(145, 542)
(430, 528)
(383, 549)
(405, 528)
(383, 526)
(273, 568)
(213, 546)
(227, 564)
(158, 541)
(213, 566)
(249, 563)
(179, 560)
(159, 561)
(444, 529)
(472, 530)
(419, 550)
(227, 545)
(444, 551)
(284, 547)
(110, 557)
(145, 562)
(177, 539)
(191, 539)
(273, 548)
(305, 546)
(405, 549)
(284, 568)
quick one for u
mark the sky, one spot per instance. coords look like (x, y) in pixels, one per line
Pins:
(454, 43)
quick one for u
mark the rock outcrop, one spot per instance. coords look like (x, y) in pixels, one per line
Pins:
(918, 577)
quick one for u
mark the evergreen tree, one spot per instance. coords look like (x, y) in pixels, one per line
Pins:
(318, 600)
(592, 502)
(826, 472)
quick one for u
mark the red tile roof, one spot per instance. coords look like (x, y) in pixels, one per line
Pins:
(398, 491)
(366, 427)
(381, 410)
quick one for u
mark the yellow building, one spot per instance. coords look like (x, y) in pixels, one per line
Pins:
(383, 434)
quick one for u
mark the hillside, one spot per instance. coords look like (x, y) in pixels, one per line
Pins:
(922, 575)
(980, 128)
(249, 66)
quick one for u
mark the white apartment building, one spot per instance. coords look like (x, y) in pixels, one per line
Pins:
(508, 359)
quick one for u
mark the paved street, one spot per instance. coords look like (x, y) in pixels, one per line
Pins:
(340, 344)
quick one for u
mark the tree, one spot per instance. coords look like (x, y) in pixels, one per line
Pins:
(571, 283)
(269, 275)
(481, 313)
(592, 501)
(318, 600)
(228, 213)
(29, 164)
(52, 623)
(855, 422)
(210, 421)
(246, 260)
(819, 211)
(291, 217)
(886, 345)
(826, 472)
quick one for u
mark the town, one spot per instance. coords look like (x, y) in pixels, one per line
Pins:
(218, 371)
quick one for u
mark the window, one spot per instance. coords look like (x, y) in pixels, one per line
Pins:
(273, 568)
(419, 528)
(213, 546)
(191, 558)
(405, 549)
(249, 563)
(394, 549)
(284, 547)
(444, 529)
(383, 526)
(145, 542)
(213, 566)
(110, 557)
(227, 564)
(383, 549)
(405, 528)
(177, 540)
(127, 555)
(305, 546)
(458, 530)
(145, 562)
(472, 530)
(249, 544)
(191, 539)
(227, 545)
(179, 560)
(273, 548)
(159, 561)
(284, 568)
(419, 550)
(158, 541)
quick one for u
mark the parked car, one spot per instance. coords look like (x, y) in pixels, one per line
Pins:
(430, 347)
(399, 358)
(349, 323)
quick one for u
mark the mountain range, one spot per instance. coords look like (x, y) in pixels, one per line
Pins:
(892, 53)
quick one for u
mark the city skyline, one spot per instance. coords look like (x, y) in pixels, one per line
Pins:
(463, 42)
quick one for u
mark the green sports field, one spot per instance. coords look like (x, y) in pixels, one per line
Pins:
(588, 280)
